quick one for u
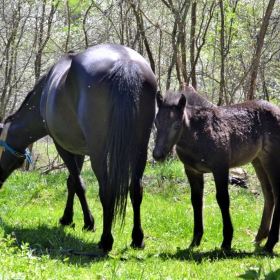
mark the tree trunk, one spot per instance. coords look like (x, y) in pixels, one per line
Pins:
(222, 53)
(258, 51)
(192, 45)
(143, 36)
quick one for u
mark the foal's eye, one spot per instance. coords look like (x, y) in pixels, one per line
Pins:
(177, 125)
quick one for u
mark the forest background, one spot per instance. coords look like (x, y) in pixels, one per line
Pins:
(228, 50)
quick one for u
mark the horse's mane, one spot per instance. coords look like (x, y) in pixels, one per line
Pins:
(193, 98)
(38, 86)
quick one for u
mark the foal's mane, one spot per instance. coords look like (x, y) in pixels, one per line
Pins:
(38, 87)
(193, 98)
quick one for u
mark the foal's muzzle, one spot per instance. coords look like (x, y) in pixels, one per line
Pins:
(159, 154)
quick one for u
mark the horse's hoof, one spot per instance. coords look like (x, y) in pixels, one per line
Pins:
(141, 246)
(91, 228)
(104, 248)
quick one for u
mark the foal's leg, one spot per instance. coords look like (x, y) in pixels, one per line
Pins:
(272, 168)
(136, 195)
(197, 184)
(222, 195)
(268, 202)
(75, 185)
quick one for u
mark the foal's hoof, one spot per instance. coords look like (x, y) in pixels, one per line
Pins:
(193, 245)
(196, 242)
(141, 246)
(226, 248)
(65, 222)
(268, 249)
(256, 242)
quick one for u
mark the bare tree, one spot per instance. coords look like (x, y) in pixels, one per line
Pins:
(178, 39)
(258, 50)
(140, 24)
(11, 66)
(198, 40)
(44, 21)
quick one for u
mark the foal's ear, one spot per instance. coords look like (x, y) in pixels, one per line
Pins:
(182, 102)
(159, 99)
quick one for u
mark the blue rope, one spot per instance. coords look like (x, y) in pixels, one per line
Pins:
(15, 153)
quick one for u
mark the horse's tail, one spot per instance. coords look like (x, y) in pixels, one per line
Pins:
(126, 79)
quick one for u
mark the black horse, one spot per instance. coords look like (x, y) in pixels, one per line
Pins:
(101, 103)
(211, 139)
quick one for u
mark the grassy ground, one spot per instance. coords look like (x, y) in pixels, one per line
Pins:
(34, 246)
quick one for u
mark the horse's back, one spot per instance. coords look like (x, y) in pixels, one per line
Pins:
(80, 104)
(95, 71)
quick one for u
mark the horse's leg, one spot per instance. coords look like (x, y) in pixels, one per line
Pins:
(136, 195)
(75, 185)
(197, 184)
(100, 171)
(107, 240)
(268, 202)
(222, 196)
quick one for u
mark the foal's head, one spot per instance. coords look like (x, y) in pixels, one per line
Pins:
(169, 123)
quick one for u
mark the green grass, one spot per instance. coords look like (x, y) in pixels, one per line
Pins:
(34, 246)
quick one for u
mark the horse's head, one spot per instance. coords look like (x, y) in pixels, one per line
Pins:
(9, 158)
(169, 124)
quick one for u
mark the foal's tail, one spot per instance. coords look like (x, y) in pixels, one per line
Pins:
(126, 84)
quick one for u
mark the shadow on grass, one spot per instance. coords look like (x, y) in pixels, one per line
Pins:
(257, 274)
(214, 255)
(55, 242)
(272, 275)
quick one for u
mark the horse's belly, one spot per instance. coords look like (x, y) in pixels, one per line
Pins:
(67, 133)
(75, 146)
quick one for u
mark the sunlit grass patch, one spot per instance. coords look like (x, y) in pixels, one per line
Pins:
(33, 245)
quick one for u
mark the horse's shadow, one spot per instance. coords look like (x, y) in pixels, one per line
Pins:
(55, 242)
(190, 255)
(214, 255)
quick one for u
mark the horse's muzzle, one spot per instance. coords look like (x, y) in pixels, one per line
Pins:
(159, 154)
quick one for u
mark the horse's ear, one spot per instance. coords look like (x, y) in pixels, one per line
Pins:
(159, 99)
(182, 102)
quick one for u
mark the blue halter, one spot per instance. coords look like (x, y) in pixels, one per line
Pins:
(15, 153)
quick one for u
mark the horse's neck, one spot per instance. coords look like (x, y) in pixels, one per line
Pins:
(27, 125)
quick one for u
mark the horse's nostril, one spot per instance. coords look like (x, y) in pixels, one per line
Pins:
(158, 154)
